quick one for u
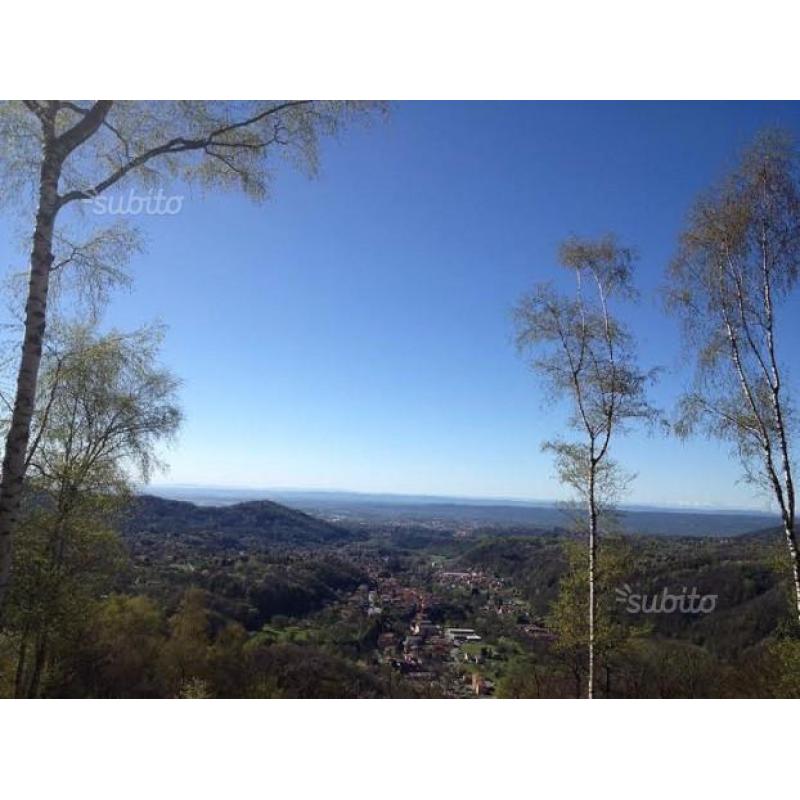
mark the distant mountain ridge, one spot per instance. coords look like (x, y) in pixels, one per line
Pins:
(218, 495)
(344, 506)
(261, 520)
(544, 518)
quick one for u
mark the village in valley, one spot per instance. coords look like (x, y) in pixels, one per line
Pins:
(424, 644)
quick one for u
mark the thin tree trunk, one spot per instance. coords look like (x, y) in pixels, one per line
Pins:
(794, 556)
(774, 380)
(592, 599)
(20, 673)
(27, 377)
(39, 659)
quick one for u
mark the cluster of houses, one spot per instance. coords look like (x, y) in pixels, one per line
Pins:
(393, 596)
(451, 659)
(430, 653)
(503, 602)
(472, 579)
(424, 646)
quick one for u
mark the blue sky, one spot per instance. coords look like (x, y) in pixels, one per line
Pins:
(353, 332)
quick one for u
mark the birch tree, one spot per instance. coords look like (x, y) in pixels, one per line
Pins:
(586, 356)
(59, 153)
(569, 612)
(736, 264)
(104, 404)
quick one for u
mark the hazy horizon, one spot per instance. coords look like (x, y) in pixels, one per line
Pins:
(163, 489)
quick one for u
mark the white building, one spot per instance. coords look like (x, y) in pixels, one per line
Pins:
(461, 635)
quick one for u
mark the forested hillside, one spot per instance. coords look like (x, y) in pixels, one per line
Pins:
(258, 600)
(247, 524)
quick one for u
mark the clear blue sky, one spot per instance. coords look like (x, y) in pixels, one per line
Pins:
(353, 332)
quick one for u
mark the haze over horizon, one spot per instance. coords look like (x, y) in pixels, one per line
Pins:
(237, 493)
